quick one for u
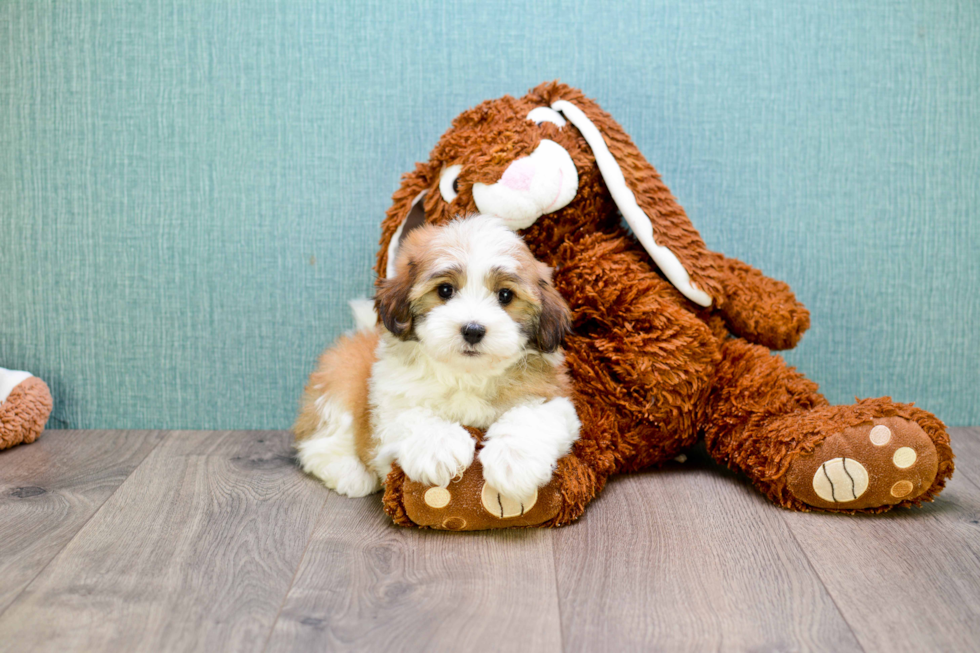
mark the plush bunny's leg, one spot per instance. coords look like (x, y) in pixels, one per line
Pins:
(768, 421)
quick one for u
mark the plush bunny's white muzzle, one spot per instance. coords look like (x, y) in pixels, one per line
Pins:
(10, 379)
(530, 187)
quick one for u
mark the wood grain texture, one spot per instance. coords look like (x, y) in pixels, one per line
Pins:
(194, 552)
(367, 585)
(689, 558)
(906, 580)
(51, 488)
(217, 542)
(966, 447)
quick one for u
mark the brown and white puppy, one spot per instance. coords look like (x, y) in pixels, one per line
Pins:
(472, 330)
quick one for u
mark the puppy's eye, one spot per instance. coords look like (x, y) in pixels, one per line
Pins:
(545, 114)
(449, 183)
(505, 296)
(445, 290)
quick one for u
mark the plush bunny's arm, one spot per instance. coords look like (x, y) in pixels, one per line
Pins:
(761, 309)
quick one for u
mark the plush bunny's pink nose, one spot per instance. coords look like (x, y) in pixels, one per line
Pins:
(518, 175)
(530, 187)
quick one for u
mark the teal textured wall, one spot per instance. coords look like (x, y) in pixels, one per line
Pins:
(190, 191)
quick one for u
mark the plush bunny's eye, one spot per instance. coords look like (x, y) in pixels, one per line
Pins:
(448, 184)
(544, 114)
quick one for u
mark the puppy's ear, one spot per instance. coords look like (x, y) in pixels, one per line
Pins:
(555, 321)
(407, 213)
(656, 218)
(391, 301)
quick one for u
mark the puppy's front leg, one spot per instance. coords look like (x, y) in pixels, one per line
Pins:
(429, 449)
(522, 448)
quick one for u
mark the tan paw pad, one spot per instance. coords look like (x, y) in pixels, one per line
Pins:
(504, 507)
(437, 497)
(840, 480)
(880, 435)
(901, 489)
(904, 457)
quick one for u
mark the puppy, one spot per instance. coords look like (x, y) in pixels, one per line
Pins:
(470, 335)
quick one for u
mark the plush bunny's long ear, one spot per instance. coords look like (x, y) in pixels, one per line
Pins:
(653, 214)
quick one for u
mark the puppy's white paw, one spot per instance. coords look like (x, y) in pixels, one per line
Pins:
(342, 472)
(515, 465)
(437, 455)
(350, 478)
(523, 447)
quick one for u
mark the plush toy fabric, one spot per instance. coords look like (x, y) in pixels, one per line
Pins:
(25, 404)
(671, 341)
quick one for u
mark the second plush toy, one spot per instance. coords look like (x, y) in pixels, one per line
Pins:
(25, 404)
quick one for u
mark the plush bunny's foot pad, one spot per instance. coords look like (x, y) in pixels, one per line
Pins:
(25, 404)
(469, 504)
(872, 465)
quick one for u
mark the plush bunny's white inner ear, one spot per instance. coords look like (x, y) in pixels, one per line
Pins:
(414, 218)
(544, 114)
(625, 200)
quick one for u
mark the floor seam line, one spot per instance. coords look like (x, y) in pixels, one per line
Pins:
(974, 431)
(292, 581)
(830, 595)
(82, 527)
(554, 566)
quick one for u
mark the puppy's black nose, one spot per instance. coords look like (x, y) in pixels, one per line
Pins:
(473, 332)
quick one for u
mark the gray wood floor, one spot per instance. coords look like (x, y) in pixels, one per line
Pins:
(211, 541)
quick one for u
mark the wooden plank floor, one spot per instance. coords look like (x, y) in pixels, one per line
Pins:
(213, 541)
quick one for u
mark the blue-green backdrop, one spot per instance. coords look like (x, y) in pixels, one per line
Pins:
(190, 191)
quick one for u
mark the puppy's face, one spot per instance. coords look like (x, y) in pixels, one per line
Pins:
(472, 295)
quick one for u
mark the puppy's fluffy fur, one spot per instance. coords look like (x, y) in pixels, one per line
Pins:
(471, 336)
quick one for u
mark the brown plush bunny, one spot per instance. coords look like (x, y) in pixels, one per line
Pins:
(653, 358)
(25, 404)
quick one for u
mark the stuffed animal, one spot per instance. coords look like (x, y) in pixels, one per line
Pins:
(25, 404)
(671, 342)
